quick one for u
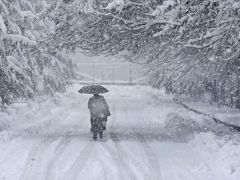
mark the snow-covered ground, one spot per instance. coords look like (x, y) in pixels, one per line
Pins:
(224, 113)
(148, 137)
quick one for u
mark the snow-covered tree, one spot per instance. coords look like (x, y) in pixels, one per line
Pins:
(188, 46)
(24, 69)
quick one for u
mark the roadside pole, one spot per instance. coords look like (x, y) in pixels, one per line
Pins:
(113, 74)
(102, 75)
(130, 75)
(93, 69)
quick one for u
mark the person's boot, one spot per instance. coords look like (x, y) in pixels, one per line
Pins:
(101, 135)
(104, 123)
(95, 137)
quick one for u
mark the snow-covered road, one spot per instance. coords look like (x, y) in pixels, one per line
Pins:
(148, 137)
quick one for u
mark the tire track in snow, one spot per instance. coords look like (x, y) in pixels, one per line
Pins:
(137, 163)
(33, 159)
(103, 163)
(181, 173)
(153, 163)
(125, 171)
(58, 152)
(117, 159)
(80, 162)
(123, 166)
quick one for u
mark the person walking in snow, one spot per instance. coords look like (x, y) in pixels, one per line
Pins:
(99, 111)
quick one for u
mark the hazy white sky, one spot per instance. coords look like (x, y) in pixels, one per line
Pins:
(106, 68)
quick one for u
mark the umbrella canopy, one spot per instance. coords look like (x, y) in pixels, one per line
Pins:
(93, 89)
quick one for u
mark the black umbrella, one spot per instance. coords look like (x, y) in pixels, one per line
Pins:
(93, 89)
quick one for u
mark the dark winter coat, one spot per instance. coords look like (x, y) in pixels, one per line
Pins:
(98, 107)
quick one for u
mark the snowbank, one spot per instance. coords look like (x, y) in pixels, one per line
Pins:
(221, 159)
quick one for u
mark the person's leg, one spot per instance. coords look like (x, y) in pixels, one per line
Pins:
(100, 127)
(91, 121)
(104, 123)
(95, 136)
(101, 134)
(94, 127)
(94, 131)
